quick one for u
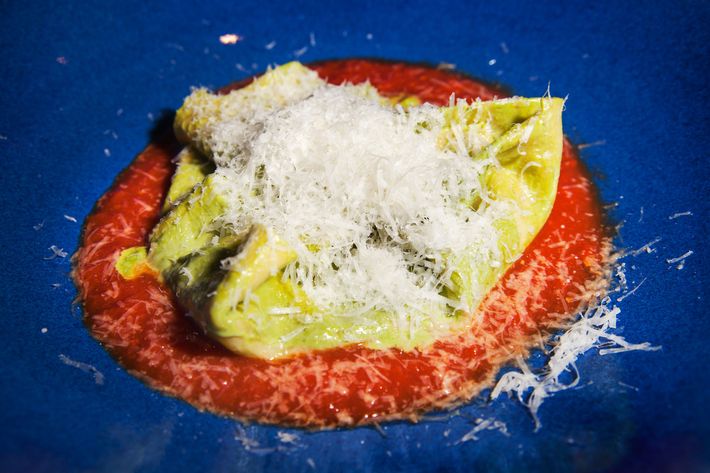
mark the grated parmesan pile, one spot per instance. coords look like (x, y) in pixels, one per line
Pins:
(364, 195)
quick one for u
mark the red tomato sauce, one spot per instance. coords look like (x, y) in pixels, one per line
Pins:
(140, 324)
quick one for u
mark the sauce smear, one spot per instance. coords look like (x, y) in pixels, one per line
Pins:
(140, 324)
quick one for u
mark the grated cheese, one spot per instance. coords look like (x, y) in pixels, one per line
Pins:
(56, 253)
(632, 291)
(85, 367)
(186, 272)
(679, 258)
(482, 425)
(680, 214)
(363, 194)
(647, 248)
(286, 437)
(591, 330)
(300, 52)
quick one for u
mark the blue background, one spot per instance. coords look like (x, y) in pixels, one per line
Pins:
(636, 75)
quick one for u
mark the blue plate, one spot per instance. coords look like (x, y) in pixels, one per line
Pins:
(81, 87)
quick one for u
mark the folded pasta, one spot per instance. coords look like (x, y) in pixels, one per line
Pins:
(306, 216)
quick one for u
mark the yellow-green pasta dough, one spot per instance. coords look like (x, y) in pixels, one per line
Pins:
(305, 216)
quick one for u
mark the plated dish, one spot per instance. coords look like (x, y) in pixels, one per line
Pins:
(345, 243)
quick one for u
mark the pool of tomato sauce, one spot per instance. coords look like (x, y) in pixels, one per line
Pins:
(139, 323)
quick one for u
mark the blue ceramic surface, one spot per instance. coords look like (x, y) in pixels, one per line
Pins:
(80, 86)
